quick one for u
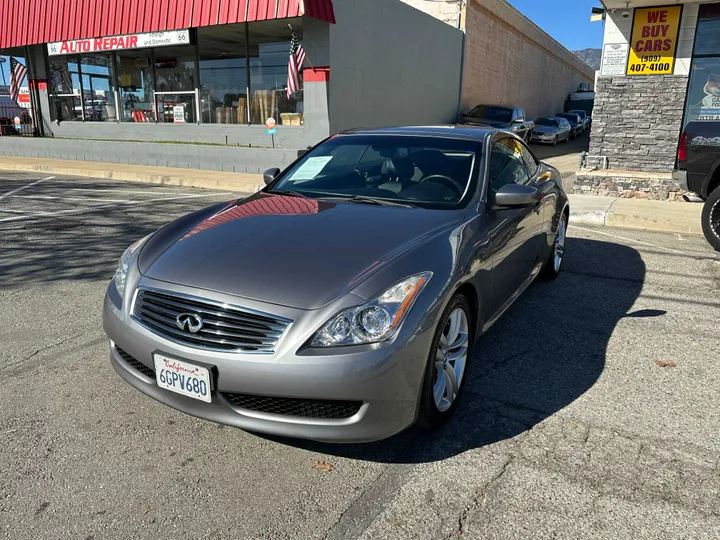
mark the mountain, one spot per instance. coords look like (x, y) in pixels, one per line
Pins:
(590, 56)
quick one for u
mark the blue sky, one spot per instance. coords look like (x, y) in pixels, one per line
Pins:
(568, 21)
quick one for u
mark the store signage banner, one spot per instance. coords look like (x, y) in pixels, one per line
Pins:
(614, 59)
(654, 40)
(118, 43)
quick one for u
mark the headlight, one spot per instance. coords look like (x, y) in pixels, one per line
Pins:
(124, 264)
(377, 320)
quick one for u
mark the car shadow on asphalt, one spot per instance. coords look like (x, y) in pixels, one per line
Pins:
(542, 355)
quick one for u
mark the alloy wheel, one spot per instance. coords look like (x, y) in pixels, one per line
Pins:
(450, 359)
(560, 244)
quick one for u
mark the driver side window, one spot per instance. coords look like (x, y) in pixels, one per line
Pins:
(506, 164)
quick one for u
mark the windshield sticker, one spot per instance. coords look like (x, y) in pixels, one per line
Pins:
(311, 168)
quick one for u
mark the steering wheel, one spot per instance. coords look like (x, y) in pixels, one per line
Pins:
(446, 181)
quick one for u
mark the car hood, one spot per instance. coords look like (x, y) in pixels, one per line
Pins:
(296, 252)
(484, 122)
(544, 129)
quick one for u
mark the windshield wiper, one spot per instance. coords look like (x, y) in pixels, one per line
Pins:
(288, 192)
(369, 200)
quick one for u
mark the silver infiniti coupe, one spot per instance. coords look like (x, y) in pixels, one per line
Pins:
(341, 302)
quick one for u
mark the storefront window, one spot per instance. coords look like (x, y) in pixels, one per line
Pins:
(65, 84)
(98, 87)
(223, 74)
(269, 54)
(703, 97)
(175, 69)
(135, 86)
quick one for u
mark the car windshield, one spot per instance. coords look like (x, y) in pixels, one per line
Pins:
(581, 114)
(429, 172)
(500, 114)
(546, 122)
(569, 117)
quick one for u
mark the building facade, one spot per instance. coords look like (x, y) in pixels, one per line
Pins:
(202, 71)
(660, 70)
(508, 60)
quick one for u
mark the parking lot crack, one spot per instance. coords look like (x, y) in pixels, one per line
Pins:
(39, 351)
(480, 498)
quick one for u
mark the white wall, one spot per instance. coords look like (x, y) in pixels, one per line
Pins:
(391, 64)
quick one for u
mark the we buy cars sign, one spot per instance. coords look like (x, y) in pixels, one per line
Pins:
(118, 43)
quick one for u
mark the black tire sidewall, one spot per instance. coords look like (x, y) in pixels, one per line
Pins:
(712, 202)
(428, 415)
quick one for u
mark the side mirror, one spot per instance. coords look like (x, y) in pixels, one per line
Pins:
(516, 196)
(270, 175)
(301, 153)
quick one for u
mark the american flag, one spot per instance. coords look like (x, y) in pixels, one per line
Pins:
(297, 57)
(17, 75)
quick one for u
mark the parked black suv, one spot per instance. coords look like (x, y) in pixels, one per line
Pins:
(698, 171)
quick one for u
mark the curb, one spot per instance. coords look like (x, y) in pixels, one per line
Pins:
(240, 182)
(621, 220)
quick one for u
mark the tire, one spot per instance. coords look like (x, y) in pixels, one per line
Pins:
(553, 265)
(711, 219)
(433, 412)
(555, 141)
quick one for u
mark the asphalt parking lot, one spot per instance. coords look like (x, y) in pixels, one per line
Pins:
(592, 408)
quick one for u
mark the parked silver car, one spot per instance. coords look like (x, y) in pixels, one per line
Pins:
(341, 302)
(551, 130)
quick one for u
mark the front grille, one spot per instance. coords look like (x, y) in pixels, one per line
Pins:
(304, 408)
(224, 328)
(139, 366)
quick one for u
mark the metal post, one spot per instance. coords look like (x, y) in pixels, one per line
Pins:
(196, 69)
(247, 71)
(115, 82)
(34, 99)
(82, 91)
(154, 81)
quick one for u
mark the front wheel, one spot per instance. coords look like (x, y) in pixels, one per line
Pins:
(555, 140)
(551, 270)
(447, 362)
(711, 219)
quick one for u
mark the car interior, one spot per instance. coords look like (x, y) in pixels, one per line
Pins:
(410, 173)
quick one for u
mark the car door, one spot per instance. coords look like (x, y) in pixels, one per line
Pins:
(564, 129)
(513, 231)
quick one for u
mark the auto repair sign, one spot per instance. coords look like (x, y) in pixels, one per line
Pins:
(654, 40)
(119, 43)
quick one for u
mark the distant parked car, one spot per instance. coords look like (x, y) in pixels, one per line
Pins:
(583, 116)
(575, 123)
(9, 110)
(551, 130)
(509, 118)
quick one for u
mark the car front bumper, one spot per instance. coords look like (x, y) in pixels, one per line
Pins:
(386, 378)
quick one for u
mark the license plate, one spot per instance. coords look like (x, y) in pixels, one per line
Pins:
(182, 377)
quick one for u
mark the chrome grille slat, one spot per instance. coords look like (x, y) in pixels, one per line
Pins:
(213, 311)
(225, 328)
(245, 331)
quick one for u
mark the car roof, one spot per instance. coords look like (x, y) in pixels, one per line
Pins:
(469, 133)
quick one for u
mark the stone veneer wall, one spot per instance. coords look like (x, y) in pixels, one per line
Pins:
(637, 122)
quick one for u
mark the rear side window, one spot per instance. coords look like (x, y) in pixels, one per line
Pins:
(529, 160)
(506, 164)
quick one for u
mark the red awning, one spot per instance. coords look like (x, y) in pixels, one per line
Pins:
(46, 21)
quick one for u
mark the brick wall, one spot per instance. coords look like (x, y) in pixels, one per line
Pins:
(509, 60)
(637, 122)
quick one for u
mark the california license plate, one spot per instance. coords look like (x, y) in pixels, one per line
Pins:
(182, 377)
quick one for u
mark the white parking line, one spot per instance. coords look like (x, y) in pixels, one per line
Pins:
(138, 192)
(9, 193)
(114, 205)
(53, 197)
(632, 240)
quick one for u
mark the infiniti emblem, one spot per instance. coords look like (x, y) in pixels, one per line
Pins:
(190, 322)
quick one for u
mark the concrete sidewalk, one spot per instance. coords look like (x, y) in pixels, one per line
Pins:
(585, 209)
(241, 182)
(677, 217)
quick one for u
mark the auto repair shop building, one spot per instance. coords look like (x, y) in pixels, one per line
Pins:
(151, 72)
(660, 70)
